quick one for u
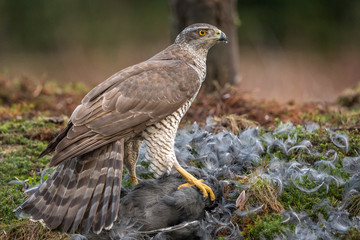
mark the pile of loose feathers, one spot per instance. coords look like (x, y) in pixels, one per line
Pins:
(229, 163)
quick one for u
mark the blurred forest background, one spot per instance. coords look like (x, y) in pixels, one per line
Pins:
(289, 50)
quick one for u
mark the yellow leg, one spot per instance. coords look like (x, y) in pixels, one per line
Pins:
(191, 181)
(133, 179)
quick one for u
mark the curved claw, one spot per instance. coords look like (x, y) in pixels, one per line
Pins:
(192, 181)
(190, 184)
(134, 180)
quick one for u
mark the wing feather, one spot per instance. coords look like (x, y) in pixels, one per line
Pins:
(126, 103)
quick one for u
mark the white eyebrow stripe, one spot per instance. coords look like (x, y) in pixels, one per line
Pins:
(195, 28)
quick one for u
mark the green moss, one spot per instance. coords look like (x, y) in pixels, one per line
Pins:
(353, 234)
(10, 198)
(146, 176)
(277, 121)
(301, 201)
(298, 200)
(354, 142)
(268, 227)
(334, 118)
(19, 147)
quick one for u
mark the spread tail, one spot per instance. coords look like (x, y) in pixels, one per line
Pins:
(82, 193)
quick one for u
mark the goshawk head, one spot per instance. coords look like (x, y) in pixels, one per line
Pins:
(200, 36)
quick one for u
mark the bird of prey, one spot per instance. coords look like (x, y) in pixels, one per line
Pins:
(144, 102)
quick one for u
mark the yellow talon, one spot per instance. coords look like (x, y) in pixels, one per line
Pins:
(191, 181)
(190, 184)
(134, 180)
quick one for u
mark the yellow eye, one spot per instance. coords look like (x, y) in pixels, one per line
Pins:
(202, 32)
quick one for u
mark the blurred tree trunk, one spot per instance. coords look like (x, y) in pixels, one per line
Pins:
(223, 59)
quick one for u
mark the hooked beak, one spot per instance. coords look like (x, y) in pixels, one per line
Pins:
(221, 37)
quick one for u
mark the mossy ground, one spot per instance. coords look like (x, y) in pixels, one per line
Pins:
(27, 124)
(21, 141)
(268, 223)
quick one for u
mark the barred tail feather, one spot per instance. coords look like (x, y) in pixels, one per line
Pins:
(114, 201)
(105, 200)
(81, 193)
(60, 195)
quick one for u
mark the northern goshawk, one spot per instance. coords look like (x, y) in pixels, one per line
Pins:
(144, 102)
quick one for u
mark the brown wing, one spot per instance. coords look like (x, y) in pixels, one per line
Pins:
(126, 104)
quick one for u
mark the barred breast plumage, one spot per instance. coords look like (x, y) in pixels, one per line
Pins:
(159, 140)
